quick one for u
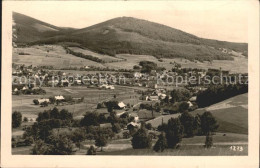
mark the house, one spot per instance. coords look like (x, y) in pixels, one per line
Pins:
(152, 98)
(43, 100)
(59, 98)
(193, 99)
(133, 125)
(25, 88)
(162, 96)
(190, 104)
(121, 105)
(136, 117)
(119, 113)
(137, 75)
(78, 82)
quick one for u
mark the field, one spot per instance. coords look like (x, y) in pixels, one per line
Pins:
(24, 103)
(58, 58)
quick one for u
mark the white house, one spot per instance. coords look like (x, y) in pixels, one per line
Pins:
(193, 99)
(190, 104)
(121, 105)
(152, 98)
(43, 100)
(59, 97)
(137, 125)
(25, 88)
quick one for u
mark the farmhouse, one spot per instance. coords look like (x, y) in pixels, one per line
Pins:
(190, 104)
(133, 124)
(152, 98)
(193, 99)
(59, 98)
(43, 100)
(119, 113)
(121, 105)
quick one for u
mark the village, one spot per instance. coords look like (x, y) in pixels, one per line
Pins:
(120, 101)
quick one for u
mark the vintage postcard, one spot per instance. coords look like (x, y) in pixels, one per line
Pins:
(130, 83)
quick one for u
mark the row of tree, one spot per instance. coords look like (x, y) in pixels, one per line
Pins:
(177, 128)
(217, 93)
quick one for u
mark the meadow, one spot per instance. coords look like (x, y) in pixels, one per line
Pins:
(24, 103)
(57, 57)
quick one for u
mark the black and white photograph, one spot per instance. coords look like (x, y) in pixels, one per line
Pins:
(131, 78)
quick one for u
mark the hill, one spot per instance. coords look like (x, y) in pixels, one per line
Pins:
(28, 29)
(127, 35)
(231, 114)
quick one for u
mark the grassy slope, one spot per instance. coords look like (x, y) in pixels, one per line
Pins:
(231, 114)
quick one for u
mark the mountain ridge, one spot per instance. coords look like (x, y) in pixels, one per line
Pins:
(138, 36)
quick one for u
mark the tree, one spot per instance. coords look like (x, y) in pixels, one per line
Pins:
(187, 120)
(183, 107)
(78, 136)
(44, 104)
(148, 126)
(91, 150)
(126, 135)
(40, 148)
(209, 141)
(174, 132)
(60, 145)
(16, 119)
(36, 102)
(197, 125)
(116, 128)
(208, 123)
(25, 119)
(52, 100)
(161, 143)
(101, 141)
(141, 139)
(90, 118)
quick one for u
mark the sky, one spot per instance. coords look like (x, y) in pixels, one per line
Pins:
(220, 20)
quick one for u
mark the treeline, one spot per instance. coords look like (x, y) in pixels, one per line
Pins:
(81, 55)
(175, 129)
(217, 93)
